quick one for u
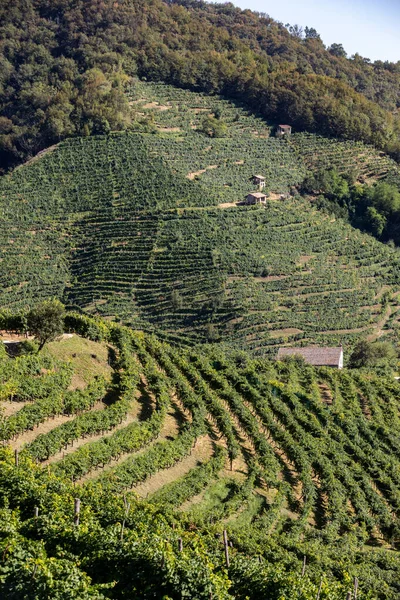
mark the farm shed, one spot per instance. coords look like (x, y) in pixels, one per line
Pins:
(316, 356)
(259, 180)
(256, 198)
(283, 130)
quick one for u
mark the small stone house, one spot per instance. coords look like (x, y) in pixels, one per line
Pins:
(283, 130)
(256, 198)
(259, 180)
(316, 356)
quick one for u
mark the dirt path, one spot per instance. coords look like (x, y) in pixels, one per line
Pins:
(201, 452)
(8, 408)
(227, 204)
(169, 430)
(48, 425)
(38, 156)
(194, 174)
(325, 393)
(380, 325)
(89, 439)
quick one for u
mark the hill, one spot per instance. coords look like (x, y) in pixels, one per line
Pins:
(291, 460)
(111, 224)
(65, 66)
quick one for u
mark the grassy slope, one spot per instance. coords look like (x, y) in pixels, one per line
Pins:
(101, 222)
(87, 358)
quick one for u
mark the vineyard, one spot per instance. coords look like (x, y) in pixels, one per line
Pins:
(300, 467)
(110, 224)
(225, 166)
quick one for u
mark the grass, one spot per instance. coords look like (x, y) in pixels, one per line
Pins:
(215, 495)
(87, 358)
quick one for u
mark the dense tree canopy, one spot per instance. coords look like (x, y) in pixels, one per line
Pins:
(64, 64)
(373, 354)
(373, 208)
(46, 321)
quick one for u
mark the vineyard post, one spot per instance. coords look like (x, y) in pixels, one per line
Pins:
(16, 458)
(36, 512)
(127, 508)
(355, 588)
(319, 589)
(180, 545)
(304, 566)
(77, 510)
(349, 595)
(226, 548)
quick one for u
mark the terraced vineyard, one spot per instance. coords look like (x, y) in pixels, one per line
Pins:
(292, 461)
(226, 166)
(145, 228)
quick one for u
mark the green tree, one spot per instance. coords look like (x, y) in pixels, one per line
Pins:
(215, 128)
(373, 354)
(375, 222)
(337, 50)
(384, 197)
(46, 321)
(311, 34)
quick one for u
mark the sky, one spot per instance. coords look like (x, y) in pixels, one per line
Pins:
(369, 27)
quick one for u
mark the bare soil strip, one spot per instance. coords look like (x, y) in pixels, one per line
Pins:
(201, 452)
(48, 425)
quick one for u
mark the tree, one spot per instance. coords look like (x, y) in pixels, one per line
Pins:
(375, 222)
(295, 30)
(311, 33)
(373, 354)
(329, 183)
(384, 197)
(337, 50)
(215, 128)
(46, 321)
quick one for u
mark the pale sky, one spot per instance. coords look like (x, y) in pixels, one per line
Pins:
(369, 27)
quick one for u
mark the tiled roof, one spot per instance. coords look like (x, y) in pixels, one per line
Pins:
(314, 355)
(285, 126)
(257, 194)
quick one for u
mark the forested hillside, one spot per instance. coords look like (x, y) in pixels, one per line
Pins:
(65, 65)
(165, 449)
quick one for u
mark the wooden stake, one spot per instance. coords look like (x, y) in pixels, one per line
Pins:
(180, 544)
(226, 548)
(319, 589)
(36, 512)
(77, 510)
(304, 566)
(16, 458)
(355, 588)
(127, 508)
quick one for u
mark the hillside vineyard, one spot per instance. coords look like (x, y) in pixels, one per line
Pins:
(110, 224)
(292, 460)
(199, 307)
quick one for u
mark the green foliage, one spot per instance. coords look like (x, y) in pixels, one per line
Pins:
(373, 208)
(61, 77)
(214, 127)
(373, 354)
(46, 321)
(329, 183)
(110, 224)
(312, 470)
